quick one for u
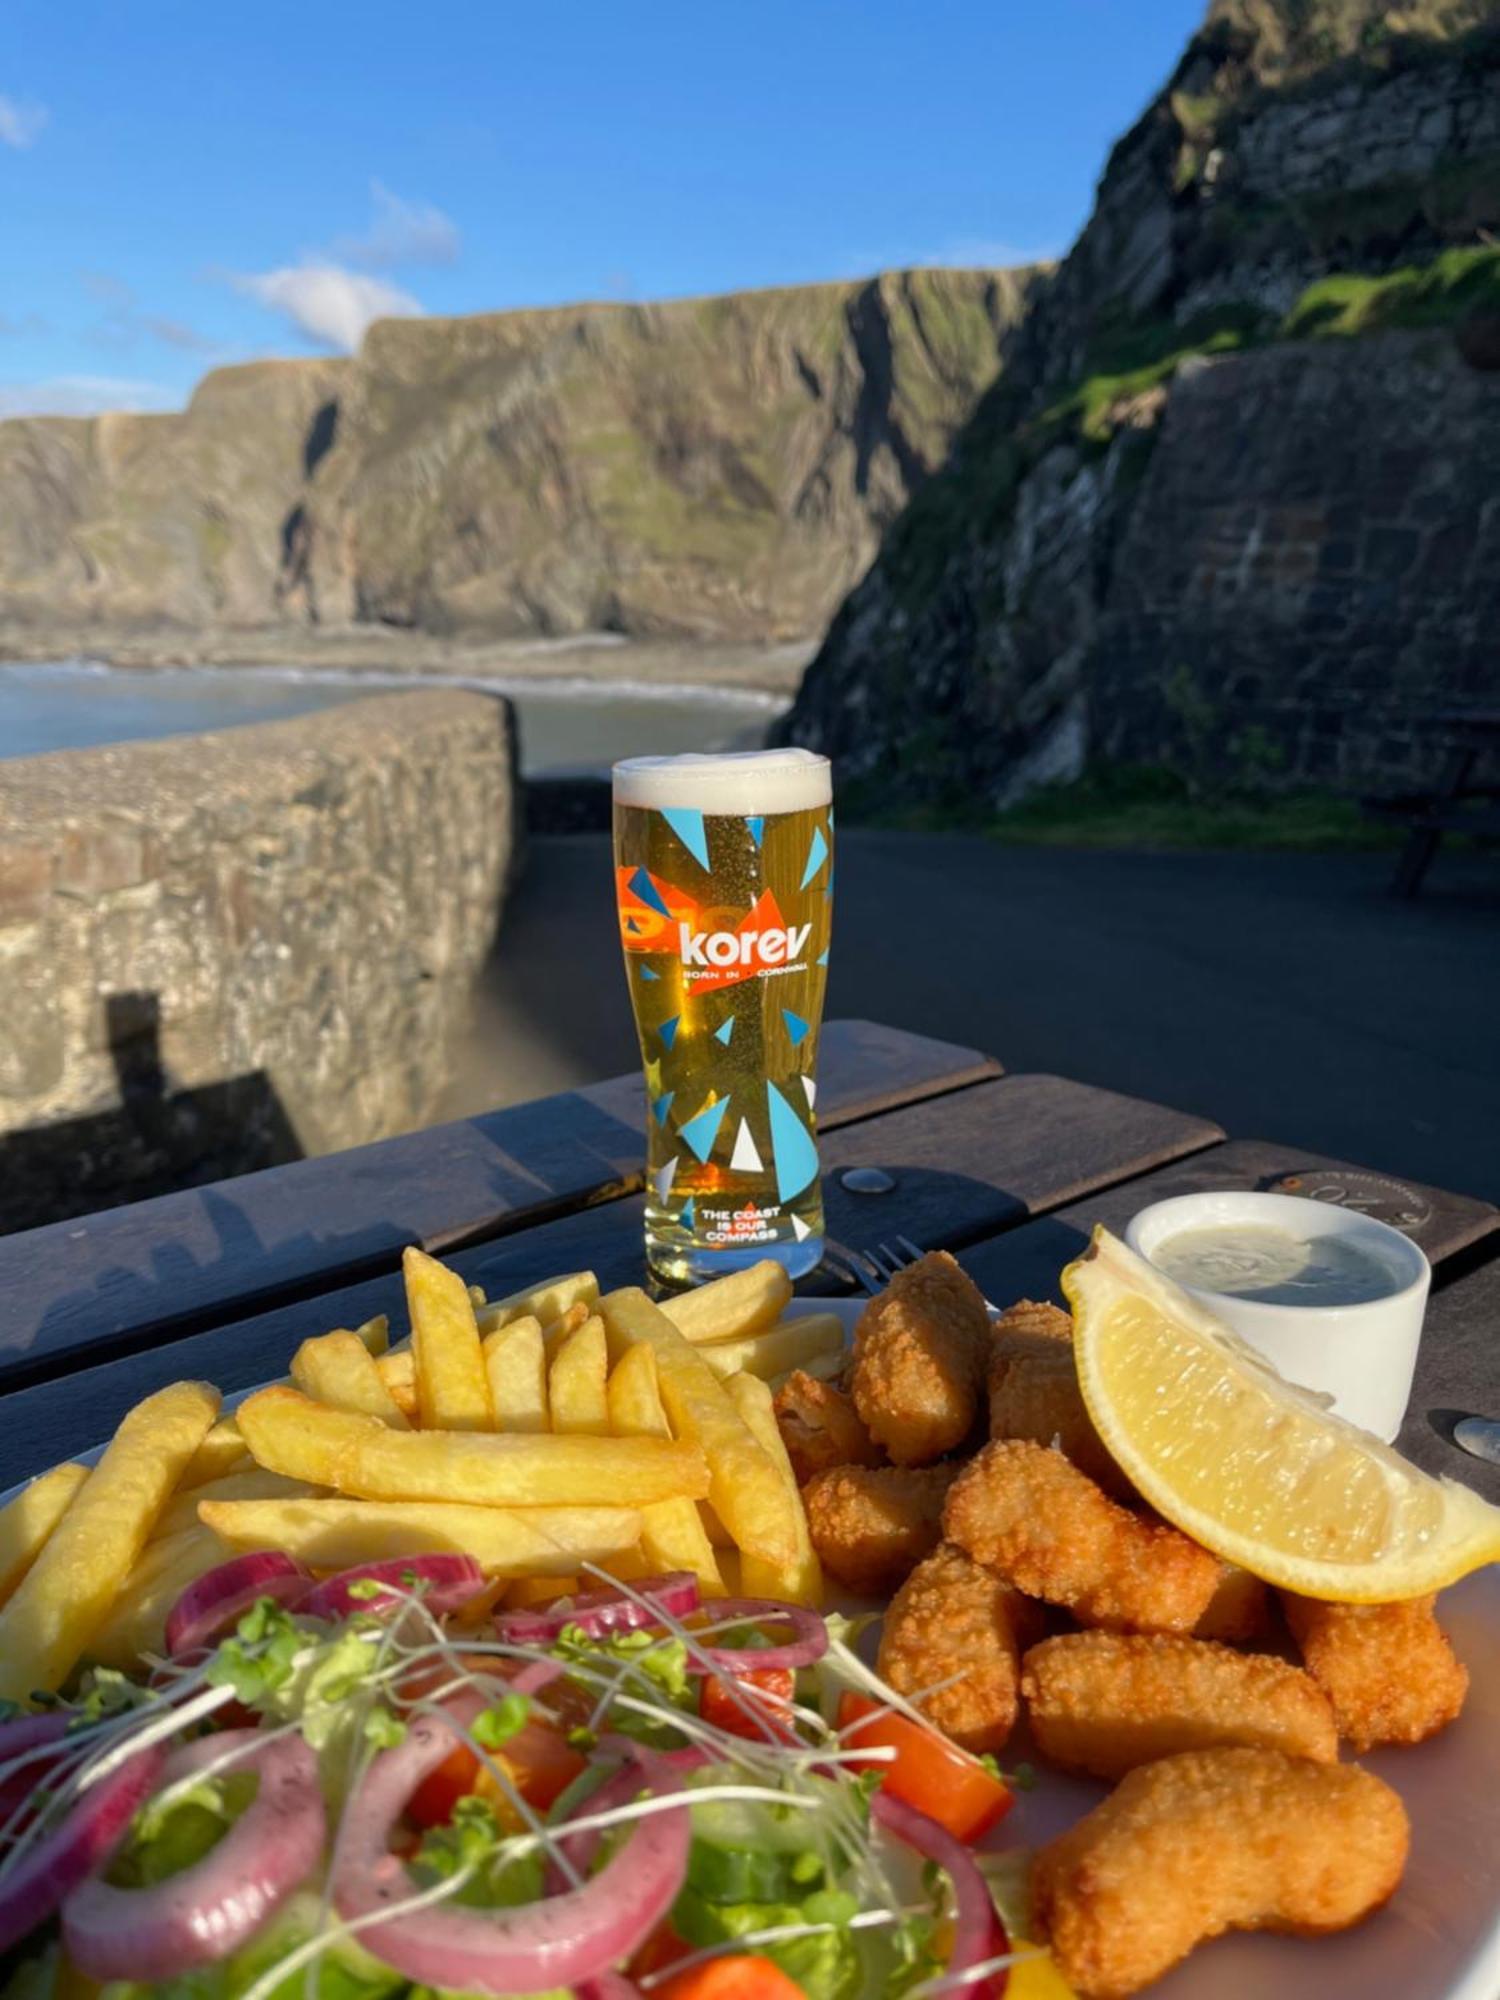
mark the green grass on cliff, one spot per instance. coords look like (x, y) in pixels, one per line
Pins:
(1438, 293)
(1147, 808)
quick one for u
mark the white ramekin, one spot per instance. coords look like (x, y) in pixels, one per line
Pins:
(1363, 1356)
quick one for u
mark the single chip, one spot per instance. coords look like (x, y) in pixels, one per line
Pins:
(69, 1591)
(27, 1521)
(337, 1533)
(801, 1580)
(515, 1361)
(453, 1393)
(729, 1308)
(575, 1383)
(672, 1532)
(337, 1369)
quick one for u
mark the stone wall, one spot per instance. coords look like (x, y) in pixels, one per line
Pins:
(218, 952)
(1311, 568)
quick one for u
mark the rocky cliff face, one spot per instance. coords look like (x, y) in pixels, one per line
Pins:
(718, 467)
(1098, 550)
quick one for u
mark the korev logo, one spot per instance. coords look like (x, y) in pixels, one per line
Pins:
(762, 944)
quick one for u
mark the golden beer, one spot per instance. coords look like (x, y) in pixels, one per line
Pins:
(724, 882)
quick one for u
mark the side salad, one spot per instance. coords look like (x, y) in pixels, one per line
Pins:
(370, 1786)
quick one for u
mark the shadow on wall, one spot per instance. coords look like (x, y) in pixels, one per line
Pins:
(154, 1141)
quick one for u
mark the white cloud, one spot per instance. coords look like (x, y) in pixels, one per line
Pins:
(20, 123)
(83, 396)
(325, 302)
(400, 232)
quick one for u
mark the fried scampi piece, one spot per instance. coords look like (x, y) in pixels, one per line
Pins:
(871, 1525)
(1035, 1320)
(1025, 1510)
(920, 1353)
(1034, 1394)
(820, 1427)
(958, 1630)
(1104, 1702)
(1388, 1669)
(1238, 1611)
(1213, 1841)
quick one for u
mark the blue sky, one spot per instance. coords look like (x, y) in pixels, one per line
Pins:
(184, 185)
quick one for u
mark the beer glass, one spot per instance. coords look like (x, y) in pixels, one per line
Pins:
(724, 882)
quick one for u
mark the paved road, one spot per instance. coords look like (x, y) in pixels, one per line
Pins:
(1283, 995)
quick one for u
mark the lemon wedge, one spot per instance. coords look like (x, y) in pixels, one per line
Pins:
(1259, 1471)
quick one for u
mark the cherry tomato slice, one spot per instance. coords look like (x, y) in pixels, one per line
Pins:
(737, 1976)
(539, 1763)
(752, 1704)
(929, 1772)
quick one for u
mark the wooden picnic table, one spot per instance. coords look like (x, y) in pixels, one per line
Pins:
(1008, 1171)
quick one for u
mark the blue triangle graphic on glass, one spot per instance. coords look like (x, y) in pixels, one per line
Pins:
(822, 960)
(669, 1030)
(828, 885)
(701, 1131)
(642, 887)
(662, 1105)
(723, 1034)
(688, 1214)
(647, 973)
(688, 826)
(796, 1027)
(795, 1154)
(757, 825)
(817, 854)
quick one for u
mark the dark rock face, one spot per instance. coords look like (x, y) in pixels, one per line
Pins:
(711, 468)
(1280, 534)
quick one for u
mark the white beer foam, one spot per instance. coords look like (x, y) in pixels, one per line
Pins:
(740, 781)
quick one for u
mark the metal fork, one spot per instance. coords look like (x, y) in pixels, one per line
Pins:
(873, 1268)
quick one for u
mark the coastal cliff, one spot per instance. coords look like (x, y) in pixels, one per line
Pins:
(1230, 505)
(719, 468)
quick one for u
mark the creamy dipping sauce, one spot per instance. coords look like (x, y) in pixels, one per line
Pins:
(1276, 1267)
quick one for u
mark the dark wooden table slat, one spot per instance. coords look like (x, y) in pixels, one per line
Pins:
(973, 1162)
(126, 1277)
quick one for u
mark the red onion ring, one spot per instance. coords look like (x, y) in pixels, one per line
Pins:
(810, 1644)
(450, 1580)
(597, 1613)
(559, 1941)
(53, 1869)
(205, 1912)
(18, 1739)
(215, 1603)
(978, 1933)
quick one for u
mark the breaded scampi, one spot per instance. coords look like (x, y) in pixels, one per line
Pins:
(1388, 1669)
(1034, 1394)
(920, 1353)
(1035, 1320)
(820, 1427)
(1025, 1510)
(1213, 1841)
(958, 1630)
(1238, 1611)
(1104, 1702)
(872, 1525)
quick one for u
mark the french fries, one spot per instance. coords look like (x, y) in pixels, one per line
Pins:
(223, 1450)
(256, 1484)
(27, 1521)
(374, 1335)
(544, 1303)
(66, 1595)
(504, 1541)
(822, 1367)
(360, 1456)
(557, 1332)
(398, 1371)
(672, 1533)
(747, 1491)
(575, 1383)
(801, 1580)
(337, 1369)
(452, 1391)
(138, 1621)
(729, 1308)
(516, 1363)
(792, 1343)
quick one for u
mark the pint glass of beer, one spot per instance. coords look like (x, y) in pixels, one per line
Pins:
(724, 881)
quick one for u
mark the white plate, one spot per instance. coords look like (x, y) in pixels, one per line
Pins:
(1439, 1936)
